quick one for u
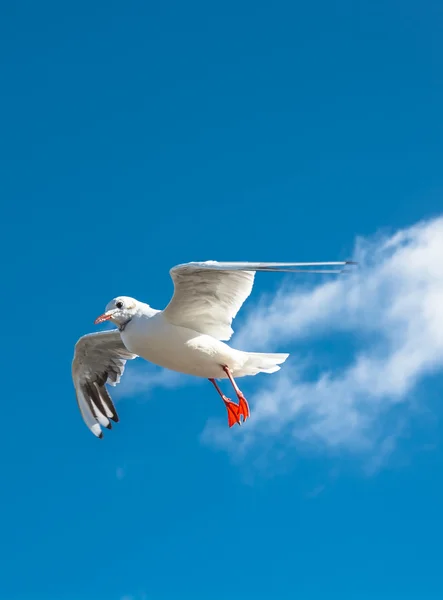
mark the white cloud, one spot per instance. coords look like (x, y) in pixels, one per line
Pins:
(389, 313)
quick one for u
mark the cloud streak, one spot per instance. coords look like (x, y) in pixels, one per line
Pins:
(386, 323)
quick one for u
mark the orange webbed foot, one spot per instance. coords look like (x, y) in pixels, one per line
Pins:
(236, 411)
(233, 412)
(243, 407)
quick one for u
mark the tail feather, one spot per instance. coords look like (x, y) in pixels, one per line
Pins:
(259, 362)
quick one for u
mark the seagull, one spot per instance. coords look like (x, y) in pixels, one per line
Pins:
(188, 336)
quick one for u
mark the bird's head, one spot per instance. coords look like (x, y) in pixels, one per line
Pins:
(120, 311)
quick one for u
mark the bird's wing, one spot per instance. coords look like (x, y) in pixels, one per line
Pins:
(99, 358)
(208, 295)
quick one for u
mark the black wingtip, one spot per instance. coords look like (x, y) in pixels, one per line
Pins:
(351, 262)
(115, 418)
(109, 426)
(100, 437)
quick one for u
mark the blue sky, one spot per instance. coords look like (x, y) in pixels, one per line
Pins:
(136, 136)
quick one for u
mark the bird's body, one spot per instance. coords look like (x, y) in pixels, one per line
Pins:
(188, 336)
(151, 336)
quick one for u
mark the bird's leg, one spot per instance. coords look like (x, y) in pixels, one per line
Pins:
(243, 406)
(232, 408)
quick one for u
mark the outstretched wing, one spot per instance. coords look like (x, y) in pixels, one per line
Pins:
(99, 358)
(208, 295)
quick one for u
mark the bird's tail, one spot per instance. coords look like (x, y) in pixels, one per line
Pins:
(260, 362)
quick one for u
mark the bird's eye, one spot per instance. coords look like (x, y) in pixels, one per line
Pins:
(119, 304)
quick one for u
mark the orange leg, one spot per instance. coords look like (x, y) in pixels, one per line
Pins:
(242, 402)
(232, 408)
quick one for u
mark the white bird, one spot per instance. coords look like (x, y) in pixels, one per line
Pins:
(187, 336)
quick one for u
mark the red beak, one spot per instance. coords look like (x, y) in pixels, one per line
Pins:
(103, 317)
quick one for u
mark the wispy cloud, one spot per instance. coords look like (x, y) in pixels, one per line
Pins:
(391, 311)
